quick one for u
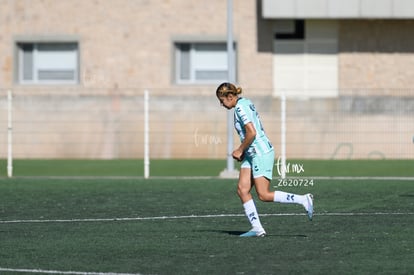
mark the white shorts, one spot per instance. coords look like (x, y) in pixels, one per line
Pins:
(262, 166)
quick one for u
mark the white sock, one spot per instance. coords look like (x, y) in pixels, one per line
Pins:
(284, 197)
(252, 215)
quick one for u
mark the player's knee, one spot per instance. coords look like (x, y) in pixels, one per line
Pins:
(265, 196)
(242, 191)
(262, 197)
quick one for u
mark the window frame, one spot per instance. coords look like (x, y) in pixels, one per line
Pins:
(192, 44)
(34, 42)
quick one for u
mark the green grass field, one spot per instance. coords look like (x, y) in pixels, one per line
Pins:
(102, 225)
(190, 167)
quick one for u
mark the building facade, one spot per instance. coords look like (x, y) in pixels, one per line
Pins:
(348, 60)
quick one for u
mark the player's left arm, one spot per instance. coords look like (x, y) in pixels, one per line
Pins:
(248, 139)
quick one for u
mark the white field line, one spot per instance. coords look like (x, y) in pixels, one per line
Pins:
(396, 178)
(200, 217)
(61, 272)
(162, 218)
(363, 178)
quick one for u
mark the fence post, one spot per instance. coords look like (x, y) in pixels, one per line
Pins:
(283, 136)
(146, 136)
(9, 135)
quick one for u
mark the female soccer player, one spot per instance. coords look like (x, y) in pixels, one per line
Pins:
(257, 159)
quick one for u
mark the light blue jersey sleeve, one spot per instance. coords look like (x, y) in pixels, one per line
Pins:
(245, 112)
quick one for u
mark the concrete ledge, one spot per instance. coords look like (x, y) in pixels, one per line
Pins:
(338, 9)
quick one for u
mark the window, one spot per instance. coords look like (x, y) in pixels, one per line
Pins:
(290, 29)
(201, 62)
(48, 63)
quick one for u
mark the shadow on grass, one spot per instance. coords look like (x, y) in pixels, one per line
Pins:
(238, 233)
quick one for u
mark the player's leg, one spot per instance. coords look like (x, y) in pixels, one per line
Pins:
(262, 170)
(244, 185)
(262, 185)
(262, 173)
(243, 190)
(305, 200)
(262, 188)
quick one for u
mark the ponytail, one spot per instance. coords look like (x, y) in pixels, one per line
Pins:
(226, 88)
(238, 90)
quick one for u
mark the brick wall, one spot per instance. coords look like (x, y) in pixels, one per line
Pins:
(126, 47)
(128, 43)
(377, 55)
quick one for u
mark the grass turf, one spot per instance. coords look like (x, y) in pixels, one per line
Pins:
(346, 244)
(212, 167)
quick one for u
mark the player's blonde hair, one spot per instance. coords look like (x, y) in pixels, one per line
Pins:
(226, 88)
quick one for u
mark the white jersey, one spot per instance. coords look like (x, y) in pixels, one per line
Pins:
(245, 112)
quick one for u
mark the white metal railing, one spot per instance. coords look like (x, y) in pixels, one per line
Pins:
(9, 134)
(133, 124)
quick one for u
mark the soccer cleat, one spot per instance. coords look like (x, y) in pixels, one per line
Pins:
(309, 205)
(254, 233)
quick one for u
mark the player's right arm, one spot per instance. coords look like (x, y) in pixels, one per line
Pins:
(250, 134)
